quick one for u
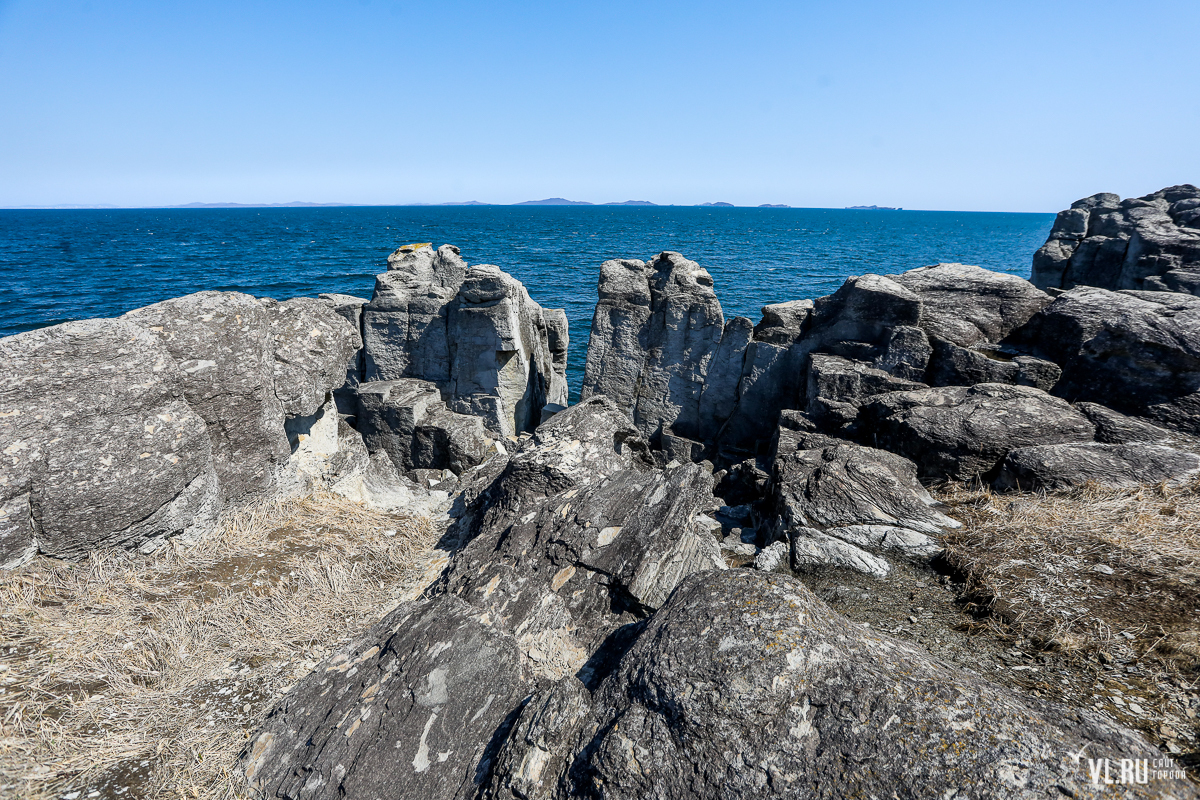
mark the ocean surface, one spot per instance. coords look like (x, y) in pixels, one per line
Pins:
(61, 265)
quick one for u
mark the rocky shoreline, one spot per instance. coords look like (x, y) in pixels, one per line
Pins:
(627, 604)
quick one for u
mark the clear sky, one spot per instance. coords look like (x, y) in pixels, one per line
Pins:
(1005, 106)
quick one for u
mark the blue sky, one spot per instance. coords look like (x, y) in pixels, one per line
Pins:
(1004, 106)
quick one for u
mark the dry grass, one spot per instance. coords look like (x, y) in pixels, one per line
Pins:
(1105, 571)
(142, 676)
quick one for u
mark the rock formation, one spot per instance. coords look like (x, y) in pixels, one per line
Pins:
(99, 445)
(473, 332)
(1136, 352)
(1150, 242)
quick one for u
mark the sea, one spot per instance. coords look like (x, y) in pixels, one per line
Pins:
(60, 265)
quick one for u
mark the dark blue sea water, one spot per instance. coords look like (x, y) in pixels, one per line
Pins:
(72, 264)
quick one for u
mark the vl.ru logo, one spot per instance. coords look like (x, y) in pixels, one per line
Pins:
(1126, 771)
(1132, 770)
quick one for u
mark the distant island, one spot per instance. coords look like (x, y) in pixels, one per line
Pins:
(774, 205)
(555, 201)
(633, 203)
(720, 205)
(294, 204)
(872, 208)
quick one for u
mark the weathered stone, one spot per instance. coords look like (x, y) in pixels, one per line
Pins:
(865, 309)
(952, 365)
(98, 446)
(773, 378)
(619, 338)
(415, 709)
(408, 420)
(837, 387)
(313, 345)
(846, 484)
(967, 305)
(501, 365)
(905, 353)
(222, 342)
(1136, 352)
(718, 398)
(349, 308)
(746, 685)
(558, 339)
(579, 564)
(1151, 242)
(404, 324)
(1062, 466)
(784, 323)
(812, 549)
(1113, 427)
(962, 432)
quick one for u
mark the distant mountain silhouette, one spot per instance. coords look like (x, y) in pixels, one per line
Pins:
(467, 203)
(774, 205)
(293, 204)
(872, 208)
(633, 203)
(554, 201)
(721, 205)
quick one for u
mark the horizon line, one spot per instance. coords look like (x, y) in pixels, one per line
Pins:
(197, 206)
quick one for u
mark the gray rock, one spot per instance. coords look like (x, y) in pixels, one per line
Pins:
(533, 761)
(774, 557)
(1151, 242)
(821, 485)
(349, 308)
(501, 364)
(784, 323)
(683, 334)
(222, 342)
(577, 565)
(313, 345)
(837, 387)
(1136, 352)
(415, 708)
(952, 365)
(746, 685)
(558, 339)
(408, 420)
(405, 323)
(1113, 427)
(619, 335)
(718, 398)
(773, 378)
(812, 549)
(961, 432)
(98, 446)
(967, 305)
(1063, 466)
(865, 310)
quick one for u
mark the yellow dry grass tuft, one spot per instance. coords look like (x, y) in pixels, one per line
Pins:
(1095, 570)
(142, 676)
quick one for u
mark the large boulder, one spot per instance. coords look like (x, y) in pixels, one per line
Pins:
(654, 336)
(575, 567)
(349, 308)
(746, 685)
(501, 365)
(967, 305)
(407, 420)
(837, 387)
(312, 346)
(404, 324)
(1136, 352)
(223, 344)
(952, 365)
(473, 332)
(1064, 466)
(1150, 242)
(412, 710)
(961, 432)
(834, 500)
(98, 444)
